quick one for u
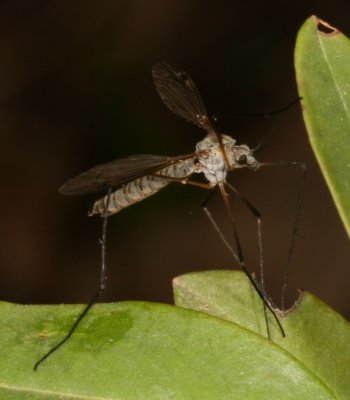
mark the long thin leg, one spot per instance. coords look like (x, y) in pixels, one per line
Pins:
(101, 288)
(257, 216)
(203, 185)
(274, 112)
(241, 259)
(259, 115)
(255, 213)
(237, 255)
(216, 226)
(183, 181)
(295, 231)
(227, 244)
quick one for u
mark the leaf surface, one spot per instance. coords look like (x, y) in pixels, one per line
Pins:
(135, 351)
(322, 59)
(315, 334)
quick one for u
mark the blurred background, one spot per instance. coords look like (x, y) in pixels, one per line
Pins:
(76, 91)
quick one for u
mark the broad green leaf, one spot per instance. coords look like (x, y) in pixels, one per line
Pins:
(322, 68)
(315, 334)
(135, 351)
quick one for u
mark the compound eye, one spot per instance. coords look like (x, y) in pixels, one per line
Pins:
(242, 159)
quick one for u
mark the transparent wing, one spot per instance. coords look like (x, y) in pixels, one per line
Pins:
(117, 172)
(180, 94)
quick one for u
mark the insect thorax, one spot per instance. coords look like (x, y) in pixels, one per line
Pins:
(211, 161)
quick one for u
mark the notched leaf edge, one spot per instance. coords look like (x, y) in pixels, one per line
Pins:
(324, 28)
(293, 307)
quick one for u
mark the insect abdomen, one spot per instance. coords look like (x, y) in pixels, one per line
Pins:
(141, 188)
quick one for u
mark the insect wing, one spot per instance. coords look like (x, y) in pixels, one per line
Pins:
(180, 94)
(117, 172)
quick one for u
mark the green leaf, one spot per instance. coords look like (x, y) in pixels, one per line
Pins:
(315, 334)
(147, 351)
(322, 62)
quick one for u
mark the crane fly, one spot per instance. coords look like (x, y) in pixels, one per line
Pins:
(140, 176)
(132, 179)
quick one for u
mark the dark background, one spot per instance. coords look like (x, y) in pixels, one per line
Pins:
(76, 91)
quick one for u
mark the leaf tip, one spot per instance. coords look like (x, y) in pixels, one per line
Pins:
(324, 28)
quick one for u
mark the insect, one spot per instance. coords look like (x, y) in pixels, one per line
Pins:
(132, 179)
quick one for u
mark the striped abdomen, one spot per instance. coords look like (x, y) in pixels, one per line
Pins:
(141, 188)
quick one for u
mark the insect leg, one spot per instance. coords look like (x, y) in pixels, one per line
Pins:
(257, 216)
(237, 255)
(260, 114)
(216, 226)
(295, 231)
(256, 285)
(101, 288)
(184, 181)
